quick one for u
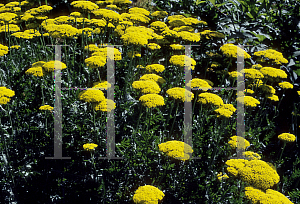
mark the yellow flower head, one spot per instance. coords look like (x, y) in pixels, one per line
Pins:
(103, 86)
(251, 155)
(95, 61)
(181, 94)
(238, 142)
(222, 177)
(6, 17)
(106, 105)
(3, 50)
(190, 37)
(177, 47)
(147, 87)
(271, 72)
(272, 97)
(182, 60)
(210, 98)
(153, 46)
(89, 146)
(159, 14)
(273, 55)
(46, 107)
(63, 31)
(91, 95)
(5, 95)
(36, 71)
(155, 68)
(152, 100)
(252, 74)
(147, 195)
(230, 50)
(267, 89)
(51, 65)
(248, 101)
(199, 83)
(85, 5)
(176, 149)
(153, 77)
(223, 112)
(287, 137)
(286, 85)
(136, 10)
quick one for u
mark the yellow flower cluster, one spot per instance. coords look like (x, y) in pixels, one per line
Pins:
(27, 34)
(51, 65)
(155, 67)
(176, 149)
(272, 97)
(46, 107)
(226, 110)
(5, 95)
(256, 172)
(135, 54)
(182, 60)
(104, 52)
(3, 50)
(152, 100)
(252, 74)
(210, 98)
(184, 28)
(177, 47)
(63, 31)
(230, 50)
(15, 47)
(147, 195)
(286, 85)
(258, 196)
(91, 95)
(109, 15)
(10, 28)
(249, 91)
(287, 137)
(211, 34)
(147, 87)
(106, 105)
(222, 177)
(267, 89)
(238, 142)
(256, 66)
(190, 37)
(153, 46)
(85, 5)
(248, 101)
(96, 61)
(102, 85)
(7, 16)
(251, 155)
(89, 146)
(159, 14)
(271, 72)
(234, 74)
(158, 26)
(153, 77)
(181, 94)
(273, 55)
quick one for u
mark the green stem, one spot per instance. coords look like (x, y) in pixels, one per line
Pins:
(282, 150)
(172, 106)
(177, 105)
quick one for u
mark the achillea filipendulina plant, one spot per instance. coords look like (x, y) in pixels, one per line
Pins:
(248, 101)
(210, 98)
(155, 68)
(222, 177)
(258, 196)
(272, 97)
(3, 50)
(249, 91)
(177, 47)
(287, 137)
(51, 65)
(251, 155)
(256, 66)
(229, 107)
(238, 142)
(102, 85)
(176, 149)
(159, 14)
(270, 72)
(102, 52)
(85, 5)
(96, 61)
(267, 89)
(10, 28)
(106, 105)
(146, 87)
(184, 28)
(252, 74)
(152, 100)
(63, 31)
(181, 94)
(36, 71)
(182, 60)
(7, 16)
(286, 85)
(234, 74)
(91, 95)
(153, 77)
(272, 55)
(46, 107)
(153, 46)
(137, 10)
(230, 50)
(190, 37)
(257, 173)
(5, 95)
(158, 26)
(108, 15)
(222, 112)
(147, 195)
(208, 34)
(89, 146)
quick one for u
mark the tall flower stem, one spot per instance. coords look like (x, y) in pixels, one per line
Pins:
(177, 105)
(172, 106)
(284, 144)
